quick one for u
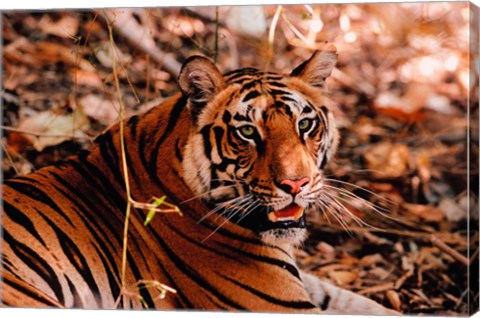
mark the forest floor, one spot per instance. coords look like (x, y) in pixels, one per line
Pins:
(400, 93)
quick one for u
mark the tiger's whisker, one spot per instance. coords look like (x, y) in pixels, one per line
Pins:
(363, 189)
(207, 192)
(378, 209)
(343, 208)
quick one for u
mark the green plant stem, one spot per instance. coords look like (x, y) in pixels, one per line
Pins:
(124, 161)
(217, 23)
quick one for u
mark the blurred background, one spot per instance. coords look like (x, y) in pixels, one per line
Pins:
(405, 94)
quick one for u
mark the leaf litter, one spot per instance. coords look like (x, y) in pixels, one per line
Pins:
(399, 92)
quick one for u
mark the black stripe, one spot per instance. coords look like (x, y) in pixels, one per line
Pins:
(207, 145)
(277, 84)
(38, 195)
(190, 273)
(36, 263)
(323, 163)
(297, 304)
(172, 122)
(92, 174)
(110, 264)
(307, 110)
(180, 296)
(265, 259)
(279, 92)
(285, 107)
(240, 117)
(226, 117)
(21, 219)
(29, 292)
(203, 246)
(249, 85)
(315, 129)
(325, 302)
(178, 152)
(218, 131)
(132, 123)
(75, 256)
(111, 269)
(141, 147)
(287, 99)
(218, 305)
(251, 95)
(241, 74)
(110, 156)
(92, 203)
(117, 201)
(77, 298)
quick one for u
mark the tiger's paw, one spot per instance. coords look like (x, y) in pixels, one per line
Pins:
(334, 300)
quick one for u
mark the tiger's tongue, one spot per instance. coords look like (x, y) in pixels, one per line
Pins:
(292, 212)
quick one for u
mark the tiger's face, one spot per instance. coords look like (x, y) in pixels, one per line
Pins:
(259, 142)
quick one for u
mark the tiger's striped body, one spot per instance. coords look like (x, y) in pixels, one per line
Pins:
(63, 225)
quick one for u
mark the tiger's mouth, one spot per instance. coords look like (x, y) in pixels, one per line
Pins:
(290, 213)
(264, 218)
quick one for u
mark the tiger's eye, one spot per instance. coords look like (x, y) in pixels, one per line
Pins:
(304, 124)
(247, 131)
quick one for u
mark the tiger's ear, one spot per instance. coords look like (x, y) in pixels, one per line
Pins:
(318, 67)
(200, 80)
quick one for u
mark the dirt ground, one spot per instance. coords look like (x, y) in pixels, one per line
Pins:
(404, 230)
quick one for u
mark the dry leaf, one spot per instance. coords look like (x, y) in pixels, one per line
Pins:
(53, 129)
(387, 160)
(87, 78)
(248, 20)
(103, 110)
(372, 259)
(342, 278)
(65, 27)
(326, 249)
(426, 212)
(453, 212)
(394, 299)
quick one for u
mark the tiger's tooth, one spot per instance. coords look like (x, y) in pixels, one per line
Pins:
(272, 217)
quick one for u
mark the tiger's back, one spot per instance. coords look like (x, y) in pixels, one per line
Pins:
(63, 231)
(63, 226)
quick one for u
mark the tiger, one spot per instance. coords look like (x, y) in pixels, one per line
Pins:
(240, 154)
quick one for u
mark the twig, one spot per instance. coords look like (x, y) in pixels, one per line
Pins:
(124, 23)
(7, 153)
(215, 54)
(130, 202)
(294, 29)
(39, 134)
(450, 251)
(273, 26)
(122, 145)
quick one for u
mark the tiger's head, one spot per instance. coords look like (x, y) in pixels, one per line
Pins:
(259, 142)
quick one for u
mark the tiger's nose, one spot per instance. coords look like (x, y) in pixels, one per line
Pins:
(293, 186)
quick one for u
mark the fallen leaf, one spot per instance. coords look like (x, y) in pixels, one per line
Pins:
(387, 160)
(65, 27)
(372, 259)
(53, 129)
(425, 212)
(326, 249)
(101, 109)
(342, 278)
(83, 77)
(248, 20)
(394, 299)
(453, 212)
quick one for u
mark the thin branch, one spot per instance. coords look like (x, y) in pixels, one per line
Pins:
(39, 134)
(217, 27)
(450, 251)
(123, 22)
